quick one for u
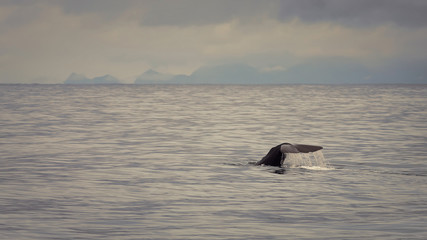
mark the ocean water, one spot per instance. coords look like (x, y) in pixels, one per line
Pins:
(174, 162)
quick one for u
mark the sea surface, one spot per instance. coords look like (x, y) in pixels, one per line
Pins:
(176, 162)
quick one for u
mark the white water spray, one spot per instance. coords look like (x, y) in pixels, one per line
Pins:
(314, 160)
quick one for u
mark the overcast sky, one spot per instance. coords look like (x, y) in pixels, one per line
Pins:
(44, 41)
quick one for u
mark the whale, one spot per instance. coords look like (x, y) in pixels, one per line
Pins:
(277, 155)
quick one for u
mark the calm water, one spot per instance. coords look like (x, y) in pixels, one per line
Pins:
(171, 162)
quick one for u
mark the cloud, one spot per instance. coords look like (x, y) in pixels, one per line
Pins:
(106, 8)
(203, 12)
(360, 13)
(47, 39)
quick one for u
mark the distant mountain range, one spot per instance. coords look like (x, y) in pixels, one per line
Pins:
(75, 78)
(318, 71)
(222, 74)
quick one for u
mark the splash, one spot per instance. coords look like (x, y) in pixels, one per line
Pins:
(314, 160)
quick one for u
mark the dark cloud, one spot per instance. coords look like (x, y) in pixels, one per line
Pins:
(167, 12)
(357, 13)
(16, 2)
(354, 13)
(26, 12)
(199, 12)
(105, 8)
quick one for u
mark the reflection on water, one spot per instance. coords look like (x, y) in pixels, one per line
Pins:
(171, 162)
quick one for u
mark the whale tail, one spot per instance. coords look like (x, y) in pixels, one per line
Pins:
(277, 154)
(273, 158)
(299, 148)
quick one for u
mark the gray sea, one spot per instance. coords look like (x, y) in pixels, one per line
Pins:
(174, 162)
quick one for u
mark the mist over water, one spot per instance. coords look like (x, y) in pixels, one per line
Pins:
(173, 162)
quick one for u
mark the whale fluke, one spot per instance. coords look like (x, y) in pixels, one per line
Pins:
(299, 148)
(277, 154)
